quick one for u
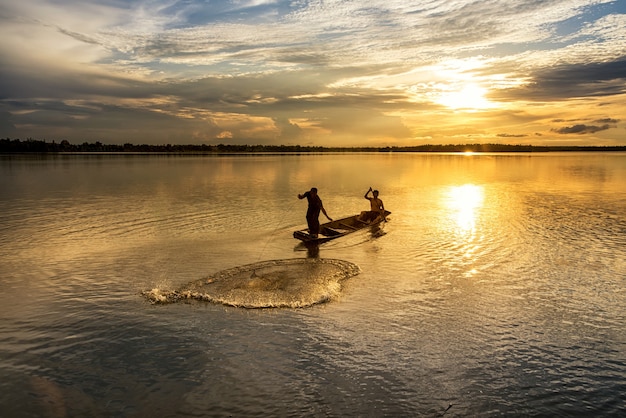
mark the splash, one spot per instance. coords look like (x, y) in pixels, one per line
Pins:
(294, 283)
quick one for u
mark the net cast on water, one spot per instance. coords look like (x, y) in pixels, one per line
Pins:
(293, 283)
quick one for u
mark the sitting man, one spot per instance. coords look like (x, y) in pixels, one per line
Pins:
(377, 212)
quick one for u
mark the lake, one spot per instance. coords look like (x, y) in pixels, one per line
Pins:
(497, 287)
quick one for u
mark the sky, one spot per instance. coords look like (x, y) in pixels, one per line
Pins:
(322, 73)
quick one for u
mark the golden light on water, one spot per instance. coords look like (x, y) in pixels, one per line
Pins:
(464, 202)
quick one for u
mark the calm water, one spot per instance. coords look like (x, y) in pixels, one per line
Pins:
(498, 287)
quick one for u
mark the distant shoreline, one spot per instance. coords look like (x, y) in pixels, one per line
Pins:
(30, 146)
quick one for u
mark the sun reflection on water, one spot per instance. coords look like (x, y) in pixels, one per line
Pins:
(464, 202)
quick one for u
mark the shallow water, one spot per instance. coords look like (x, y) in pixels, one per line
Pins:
(496, 288)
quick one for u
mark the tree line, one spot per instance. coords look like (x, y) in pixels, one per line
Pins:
(41, 146)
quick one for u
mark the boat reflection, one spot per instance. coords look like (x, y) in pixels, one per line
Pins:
(312, 249)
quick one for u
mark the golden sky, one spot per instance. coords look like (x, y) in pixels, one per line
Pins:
(330, 73)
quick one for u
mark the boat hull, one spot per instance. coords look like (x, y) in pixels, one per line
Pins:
(337, 228)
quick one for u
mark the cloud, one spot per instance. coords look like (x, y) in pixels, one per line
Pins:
(581, 129)
(512, 135)
(571, 81)
(6, 125)
(607, 120)
(289, 132)
(277, 70)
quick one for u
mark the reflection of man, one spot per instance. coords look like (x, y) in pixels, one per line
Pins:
(377, 208)
(313, 212)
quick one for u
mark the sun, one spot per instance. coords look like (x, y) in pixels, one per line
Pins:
(469, 96)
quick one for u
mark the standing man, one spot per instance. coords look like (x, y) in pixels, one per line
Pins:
(313, 212)
(377, 208)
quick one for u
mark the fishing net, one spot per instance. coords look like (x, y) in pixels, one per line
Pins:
(291, 283)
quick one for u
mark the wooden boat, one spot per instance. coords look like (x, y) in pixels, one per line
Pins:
(335, 229)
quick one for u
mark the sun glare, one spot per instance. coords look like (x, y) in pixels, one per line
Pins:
(469, 97)
(464, 201)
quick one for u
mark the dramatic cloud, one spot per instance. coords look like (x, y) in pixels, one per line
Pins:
(382, 72)
(572, 81)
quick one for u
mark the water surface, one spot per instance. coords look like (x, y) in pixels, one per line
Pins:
(496, 288)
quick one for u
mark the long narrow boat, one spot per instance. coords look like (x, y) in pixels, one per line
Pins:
(335, 229)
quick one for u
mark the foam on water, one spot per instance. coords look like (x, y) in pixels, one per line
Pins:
(293, 283)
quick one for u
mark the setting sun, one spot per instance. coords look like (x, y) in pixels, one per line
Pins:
(471, 97)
